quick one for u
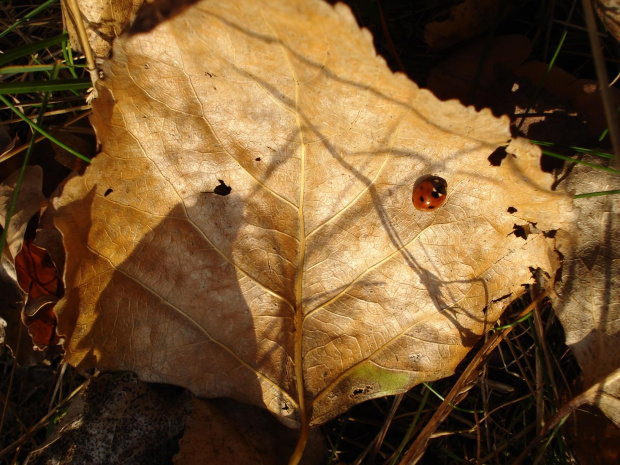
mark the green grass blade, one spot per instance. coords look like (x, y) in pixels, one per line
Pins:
(514, 323)
(67, 52)
(604, 133)
(412, 425)
(28, 49)
(557, 51)
(37, 128)
(596, 194)
(581, 162)
(576, 149)
(455, 407)
(35, 68)
(44, 86)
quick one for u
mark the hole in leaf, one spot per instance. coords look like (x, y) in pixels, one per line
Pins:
(222, 189)
(361, 391)
(520, 231)
(501, 298)
(497, 156)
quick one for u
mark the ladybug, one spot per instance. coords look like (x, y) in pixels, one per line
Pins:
(429, 193)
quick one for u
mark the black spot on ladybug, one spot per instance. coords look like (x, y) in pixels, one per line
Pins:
(497, 156)
(257, 159)
(222, 189)
(512, 210)
(108, 192)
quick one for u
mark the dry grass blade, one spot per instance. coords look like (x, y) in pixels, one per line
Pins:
(418, 448)
(603, 80)
(590, 396)
(88, 53)
(41, 423)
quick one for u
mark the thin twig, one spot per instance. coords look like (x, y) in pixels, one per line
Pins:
(417, 449)
(603, 79)
(83, 38)
(41, 423)
(590, 396)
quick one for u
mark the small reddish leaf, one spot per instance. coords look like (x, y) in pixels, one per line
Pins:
(38, 278)
(36, 273)
(29, 202)
(40, 320)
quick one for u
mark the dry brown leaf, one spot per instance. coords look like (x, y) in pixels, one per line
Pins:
(581, 94)
(29, 265)
(29, 202)
(37, 276)
(609, 13)
(467, 19)
(118, 419)
(588, 303)
(6, 142)
(225, 432)
(595, 440)
(104, 21)
(495, 76)
(10, 313)
(476, 73)
(2, 331)
(314, 284)
(78, 143)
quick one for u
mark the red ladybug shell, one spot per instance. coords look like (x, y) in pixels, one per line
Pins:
(429, 195)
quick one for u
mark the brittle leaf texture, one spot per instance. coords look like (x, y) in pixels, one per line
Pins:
(588, 295)
(248, 231)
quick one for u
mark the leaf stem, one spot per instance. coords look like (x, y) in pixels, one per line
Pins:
(78, 22)
(299, 278)
(301, 444)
